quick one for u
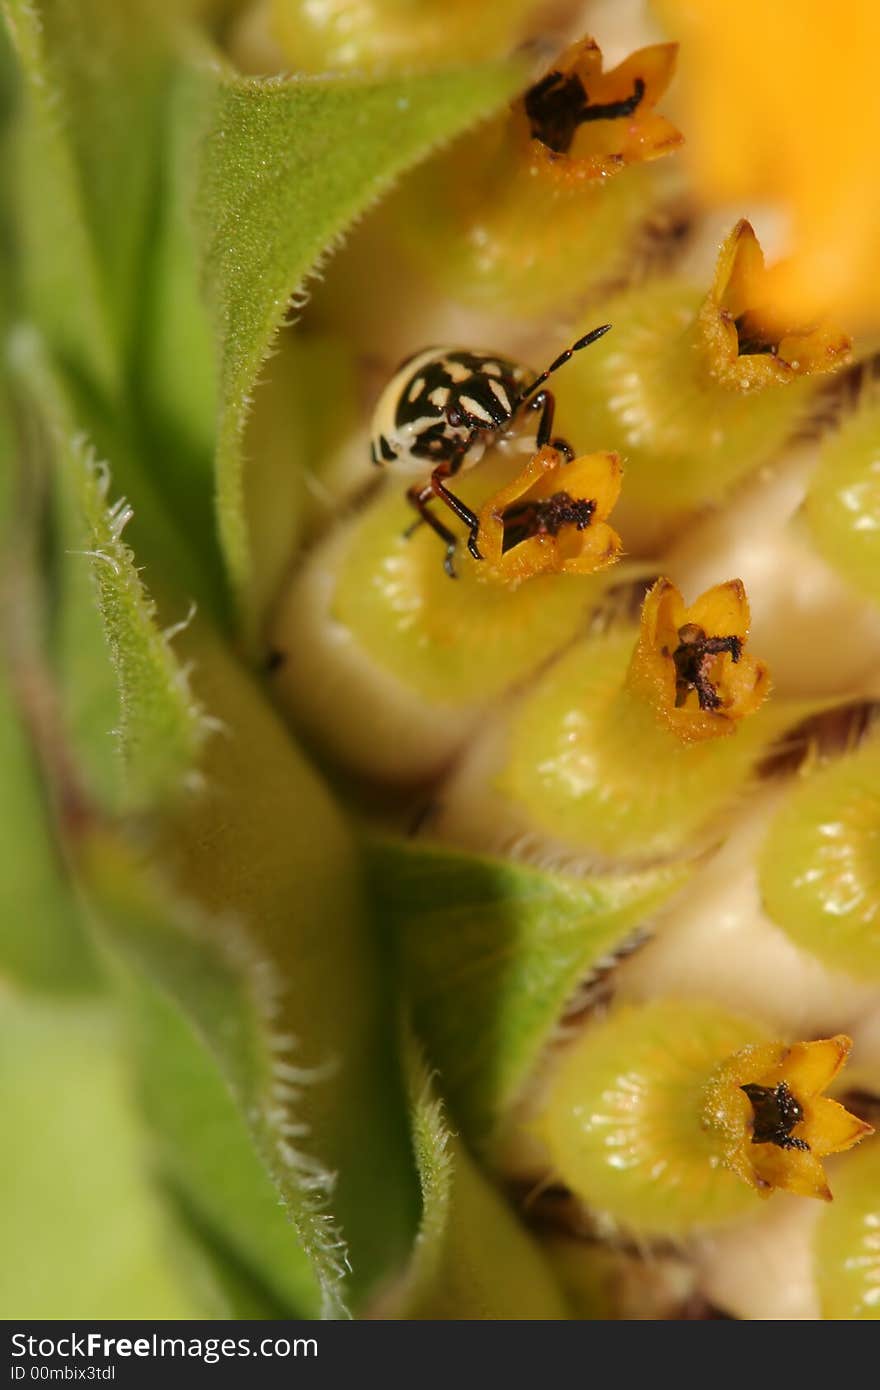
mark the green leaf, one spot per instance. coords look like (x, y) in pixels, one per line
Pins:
(258, 843)
(207, 1157)
(472, 1258)
(59, 268)
(491, 952)
(174, 384)
(264, 888)
(42, 944)
(84, 1235)
(105, 251)
(94, 75)
(217, 1079)
(266, 846)
(286, 166)
(160, 726)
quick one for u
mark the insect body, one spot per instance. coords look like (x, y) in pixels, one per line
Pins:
(440, 411)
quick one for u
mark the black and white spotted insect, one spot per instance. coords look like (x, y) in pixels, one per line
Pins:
(441, 410)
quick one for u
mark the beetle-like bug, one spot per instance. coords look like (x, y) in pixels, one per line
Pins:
(443, 407)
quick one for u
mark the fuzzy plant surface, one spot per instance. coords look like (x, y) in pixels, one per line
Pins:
(385, 937)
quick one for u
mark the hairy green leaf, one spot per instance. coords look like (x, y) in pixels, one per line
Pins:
(94, 73)
(160, 726)
(207, 1155)
(491, 952)
(285, 167)
(472, 1258)
(208, 1024)
(259, 844)
(265, 844)
(42, 944)
(59, 265)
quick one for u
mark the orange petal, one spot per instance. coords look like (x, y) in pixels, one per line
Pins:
(741, 686)
(810, 1067)
(793, 1170)
(738, 271)
(722, 611)
(600, 547)
(603, 147)
(741, 306)
(663, 613)
(595, 476)
(829, 1128)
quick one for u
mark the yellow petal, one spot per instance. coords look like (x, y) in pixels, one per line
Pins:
(596, 476)
(723, 690)
(792, 1170)
(593, 478)
(591, 550)
(663, 613)
(810, 1067)
(829, 1128)
(747, 343)
(598, 148)
(738, 272)
(722, 610)
(746, 683)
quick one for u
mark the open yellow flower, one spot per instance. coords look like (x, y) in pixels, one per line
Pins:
(778, 1126)
(690, 663)
(749, 344)
(583, 123)
(552, 518)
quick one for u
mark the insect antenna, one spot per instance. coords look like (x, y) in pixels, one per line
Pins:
(561, 360)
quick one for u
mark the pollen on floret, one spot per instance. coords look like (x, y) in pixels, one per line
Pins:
(551, 519)
(749, 343)
(690, 663)
(768, 1101)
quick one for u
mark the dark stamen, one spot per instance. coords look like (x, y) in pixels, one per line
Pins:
(692, 658)
(559, 103)
(776, 1113)
(546, 517)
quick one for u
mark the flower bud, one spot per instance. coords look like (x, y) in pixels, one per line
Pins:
(609, 757)
(694, 393)
(543, 202)
(820, 864)
(670, 1118)
(843, 499)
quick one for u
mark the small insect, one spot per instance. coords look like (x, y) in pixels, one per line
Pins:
(440, 411)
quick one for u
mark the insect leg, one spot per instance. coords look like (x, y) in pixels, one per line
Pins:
(546, 404)
(419, 497)
(470, 519)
